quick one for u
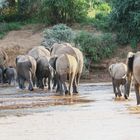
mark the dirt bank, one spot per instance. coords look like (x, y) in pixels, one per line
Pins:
(19, 42)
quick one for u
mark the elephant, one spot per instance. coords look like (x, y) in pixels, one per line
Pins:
(43, 71)
(10, 75)
(66, 48)
(3, 59)
(26, 69)
(118, 73)
(55, 47)
(133, 64)
(1, 75)
(66, 66)
(38, 52)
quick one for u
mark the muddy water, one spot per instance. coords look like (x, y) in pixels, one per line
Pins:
(92, 115)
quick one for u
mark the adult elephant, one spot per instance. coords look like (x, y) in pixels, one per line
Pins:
(118, 73)
(66, 66)
(3, 58)
(3, 64)
(133, 64)
(66, 48)
(44, 71)
(26, 69)
(38, 52)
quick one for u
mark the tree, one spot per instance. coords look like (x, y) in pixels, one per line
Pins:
(125, 19)
(62, 11)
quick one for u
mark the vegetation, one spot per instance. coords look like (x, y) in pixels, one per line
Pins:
(96, 46)
(125, 20)
(58, 33)
(117, 20)
(6, 27)
(66, 11)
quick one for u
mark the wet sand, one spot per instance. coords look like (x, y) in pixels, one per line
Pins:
(94, 114)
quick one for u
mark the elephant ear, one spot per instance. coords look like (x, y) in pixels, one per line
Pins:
(130, 60)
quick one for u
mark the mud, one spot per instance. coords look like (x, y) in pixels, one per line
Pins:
(93, 114)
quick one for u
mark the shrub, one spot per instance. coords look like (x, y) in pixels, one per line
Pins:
(125, 19)
(5, 27)
(96, 47)
(62, 11)
(58, 33)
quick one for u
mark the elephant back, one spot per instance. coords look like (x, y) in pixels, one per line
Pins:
(43, 62)
(33, 63)
(56, 47)
(62, 64)
(73, 65)
(118, 70)
(67, 50)
(38, 52)
(66, 63)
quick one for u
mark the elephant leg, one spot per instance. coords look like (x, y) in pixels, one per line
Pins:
(63, 83)
(114, 86)
(30, 85)
(50, 82)
(41, 83)
(45, 81)
(29, 79)
(21, 83)
(65, 88)
(34, 80)
(71, 80)
(1, 79)
(60, 87)
(137, 93)
(78, 78)
(125, 94)
(54, 82)
(119, 91)
(75, 90)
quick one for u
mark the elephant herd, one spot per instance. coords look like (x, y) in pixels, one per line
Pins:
(63, 63)
(123, 74)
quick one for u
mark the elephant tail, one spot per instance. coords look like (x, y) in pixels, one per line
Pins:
(130, 63)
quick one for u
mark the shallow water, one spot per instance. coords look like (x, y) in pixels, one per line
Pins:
(94, 114)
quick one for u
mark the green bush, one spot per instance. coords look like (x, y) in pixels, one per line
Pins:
(58, 33)
(125, 19)
(62, 11)
(96, 47)
(5, 27)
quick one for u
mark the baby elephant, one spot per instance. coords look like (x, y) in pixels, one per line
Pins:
(10, 75)
(118, 73)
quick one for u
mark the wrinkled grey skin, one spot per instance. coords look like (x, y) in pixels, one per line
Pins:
(10, 75)
(66, 48)
(52, 62)
(118, 73)
(38, 52)
(133, 64)
(26, 69)
(66, 70)
(1, 75)
(44, 71)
